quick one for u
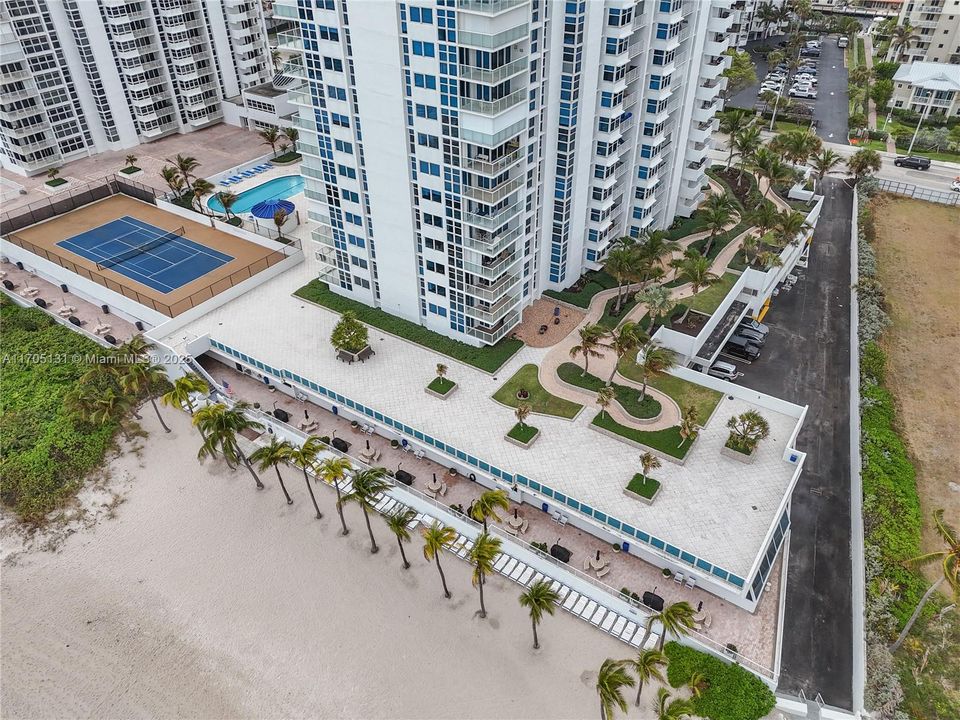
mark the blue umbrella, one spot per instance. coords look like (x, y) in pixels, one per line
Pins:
(268, 208)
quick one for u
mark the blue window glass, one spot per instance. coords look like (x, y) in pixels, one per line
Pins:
(687, 557)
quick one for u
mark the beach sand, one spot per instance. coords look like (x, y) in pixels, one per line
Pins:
(198, 596)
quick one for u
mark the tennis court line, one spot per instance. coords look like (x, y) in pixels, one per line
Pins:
(197, 248)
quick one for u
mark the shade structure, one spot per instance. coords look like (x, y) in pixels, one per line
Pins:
(268, 208)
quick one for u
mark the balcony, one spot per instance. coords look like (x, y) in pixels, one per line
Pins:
(489, 7)
(716, 44)
(491, 108)
(489, 314)
(487, 244)
(12, 75)
(492, 334)
(491, 269)
(495, 195)
(492, 220)
(636, 49)
(494, 41)
(479, 164)
(493, 77)
(290, 41)
(34, 146)
(323, 235)
(19, 113)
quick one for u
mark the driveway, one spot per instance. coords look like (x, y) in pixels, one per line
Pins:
(806, 360)
(830, 107)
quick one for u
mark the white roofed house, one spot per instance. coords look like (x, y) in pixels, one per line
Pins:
(927, 87)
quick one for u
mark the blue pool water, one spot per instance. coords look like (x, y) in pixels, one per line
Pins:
(278, 188)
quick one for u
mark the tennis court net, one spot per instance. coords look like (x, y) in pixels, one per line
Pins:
(141, 249)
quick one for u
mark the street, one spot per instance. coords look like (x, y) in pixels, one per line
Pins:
(806, 360)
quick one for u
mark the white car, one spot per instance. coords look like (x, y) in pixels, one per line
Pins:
(955, 186)
(804, 80)
(808, 93)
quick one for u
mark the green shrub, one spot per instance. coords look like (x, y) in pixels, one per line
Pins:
(45, 452)
(626, 396)
(488, 357)
(732, 693)
(590, 283)
(522, 433)
(873, 363)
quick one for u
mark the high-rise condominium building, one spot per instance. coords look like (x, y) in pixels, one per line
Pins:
(937, 23)
(79, 77)
(749, 24)
(463, 156)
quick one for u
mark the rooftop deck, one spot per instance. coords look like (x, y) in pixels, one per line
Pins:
(714, 507)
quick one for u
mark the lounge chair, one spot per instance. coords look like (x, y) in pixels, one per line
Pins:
(678, 578)
(586, 564)
(235, 179)
(526, 524)
(691, 581)
(248, 174)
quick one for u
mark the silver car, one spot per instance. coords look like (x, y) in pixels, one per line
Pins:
(724, 371)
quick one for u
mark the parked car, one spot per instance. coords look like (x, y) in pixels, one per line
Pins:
(742, 348)
(813, 44)
(808, 77)
(749, 322)
(724, 371)
(810, 52)
(808, 93)
(843, 41)
(955, 186)
(912, 161)
(758, 339)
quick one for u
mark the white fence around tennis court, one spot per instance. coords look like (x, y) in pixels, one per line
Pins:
(918, 192)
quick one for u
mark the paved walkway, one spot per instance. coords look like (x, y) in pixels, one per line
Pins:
(868, 61)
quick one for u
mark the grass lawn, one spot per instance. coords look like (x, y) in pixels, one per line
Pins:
(522, 433)
(643, 486)
(441, 385)
(666, 441)
(684, 393)
(708, 300)
(595, 282)
(488, 358)
(783, 126)
(56, 182)
(130, 170)
(540, 400)
(45, 452)
(687, 226)
(628, 397)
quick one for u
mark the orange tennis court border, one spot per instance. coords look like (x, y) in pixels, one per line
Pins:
(39, 227)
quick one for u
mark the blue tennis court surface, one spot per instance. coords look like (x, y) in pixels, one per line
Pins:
(166, 262)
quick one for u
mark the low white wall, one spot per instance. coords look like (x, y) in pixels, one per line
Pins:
(740, 392)
(90, 291)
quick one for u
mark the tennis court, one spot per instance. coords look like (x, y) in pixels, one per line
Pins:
(160, 259)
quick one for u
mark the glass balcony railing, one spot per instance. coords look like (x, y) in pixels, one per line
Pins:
(492, 77)
(491, 197)
(493, 334)
(290, 41)
(491, 293)
(492, 41)
(491, 271)
(493, 107)
(490, 7)
(480, 164)
(483, 242)
(492, 220)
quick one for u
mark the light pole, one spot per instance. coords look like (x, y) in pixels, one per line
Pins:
(926, 111)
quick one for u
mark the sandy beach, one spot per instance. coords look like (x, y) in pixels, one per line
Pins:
(198, 596)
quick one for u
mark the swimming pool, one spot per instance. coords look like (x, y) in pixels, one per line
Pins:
(278, 188)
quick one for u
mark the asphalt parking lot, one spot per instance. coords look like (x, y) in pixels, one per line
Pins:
(831, 105)
(806, 360)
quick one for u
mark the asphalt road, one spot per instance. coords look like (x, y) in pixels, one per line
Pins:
(806, 360)
(830, 107)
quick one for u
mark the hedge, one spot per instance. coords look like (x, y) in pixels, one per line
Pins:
(626, 396)
(487, 357)
(732, 693)
(667, 440)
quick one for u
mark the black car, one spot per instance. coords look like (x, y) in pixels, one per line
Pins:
(912, 161)
(742, 348)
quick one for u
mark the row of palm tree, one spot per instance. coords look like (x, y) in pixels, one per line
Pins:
(279, 137)
(627, 338)
(614, 675)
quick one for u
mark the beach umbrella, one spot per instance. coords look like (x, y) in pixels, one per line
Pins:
(268, 208)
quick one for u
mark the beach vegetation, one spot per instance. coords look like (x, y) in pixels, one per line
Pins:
(482, 556)
(333, 471)
(220, 425)
(273, 455)
(398, 523)
(647, 665)
(611, 681)
(436, 538)
(305, 457)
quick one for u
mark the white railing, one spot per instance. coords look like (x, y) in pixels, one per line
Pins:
(492, 107)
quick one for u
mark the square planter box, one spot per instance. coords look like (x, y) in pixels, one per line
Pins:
(519, 443)
(442, 395)
(136, 172)
(52, 189)
(641, 498)
(738, 456)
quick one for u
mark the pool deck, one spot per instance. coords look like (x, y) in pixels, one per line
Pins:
(248, 257)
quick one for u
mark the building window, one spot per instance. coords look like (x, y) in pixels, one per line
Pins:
(424, 49)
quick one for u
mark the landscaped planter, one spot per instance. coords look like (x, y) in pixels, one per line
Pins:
(131, 171)
(349, 356)
(441, 388)
(745, 458)
(643, 489)
(522, 436)
(287, 159)
(57, 187)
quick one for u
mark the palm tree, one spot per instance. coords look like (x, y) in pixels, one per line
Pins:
(99, 406)
(522, 412)
(539, 598)
(648, 665)
(611, 680)
(367, 485)
(667, 709)
(138, 378)
(676, 618)
(766, 164)
(488, 503)
(220, 426)
(823, 164)
(863, 162)
(654, 361)
(789, 226)
(622, 264)
(949, 559)
(697, 682)
(649, 461)
(227, 199)
(659, 302)
(435, 539)
(292, 134)
(200, 188)
(797, 145)
(185, 165)
(398, 522)
(764, 216)
(441, 370)
(131, 161)
(605, 396)
(716, 219)
(767, 15)
(276, 58)
(750, 246)
(688, 424)
(625, 339)
(656, 246)
(270, 136)
(746, 143)
(52, 173)
(279, 218)
(902, 38)
(731, 123)
(274, 454)
(482, 556)
(171, 176)
(305, 457)
(183, 387)
(332, 471)
(695, 269)
(590, 337)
